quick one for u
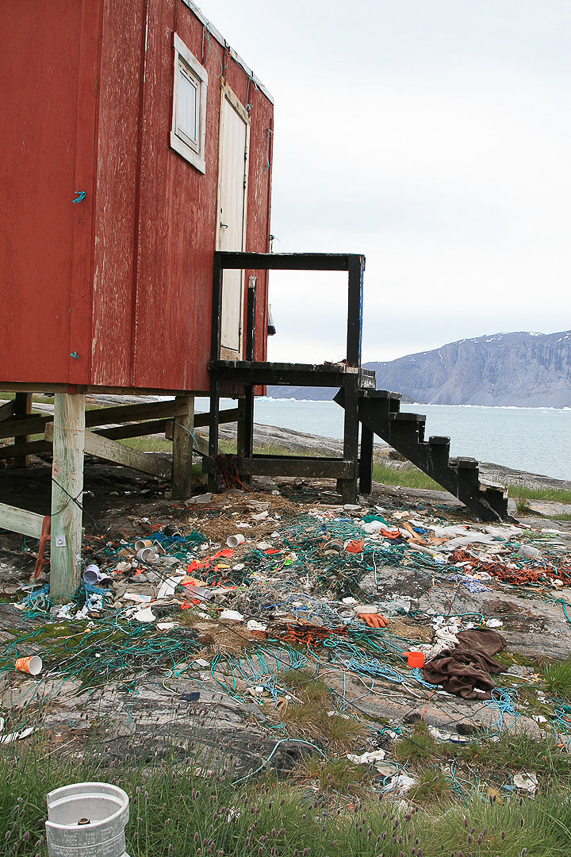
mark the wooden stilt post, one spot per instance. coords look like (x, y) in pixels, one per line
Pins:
(67, 488)
(366, 461)
(22, 407)
(182, 440)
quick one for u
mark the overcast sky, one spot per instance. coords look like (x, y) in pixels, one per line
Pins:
(433, 136)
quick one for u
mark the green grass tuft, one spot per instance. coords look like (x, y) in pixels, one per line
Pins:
(558, 679)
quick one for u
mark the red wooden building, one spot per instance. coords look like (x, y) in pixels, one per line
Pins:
(134, 144)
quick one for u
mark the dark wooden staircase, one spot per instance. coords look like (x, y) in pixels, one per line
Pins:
(380, 414)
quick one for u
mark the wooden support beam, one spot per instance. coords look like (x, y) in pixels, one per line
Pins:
(230, 415)
(21, 521)
(283, 261)
(32, 448)
(67, 492)
(182, 444)
(6, 410)
(290, 465)
(366, 460)
(137, 430)
(133, 413)
(214, 425)
(22, 408)
(27, 425)
(111, 450)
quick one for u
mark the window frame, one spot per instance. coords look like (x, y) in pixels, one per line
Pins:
(191, 151)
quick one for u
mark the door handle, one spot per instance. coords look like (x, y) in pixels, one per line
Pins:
(224, 225)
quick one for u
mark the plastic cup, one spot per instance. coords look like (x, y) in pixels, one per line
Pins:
(234, 541)
(92, 575)
(142, 543)
(415, 659)
(31, 665)
(147, 554)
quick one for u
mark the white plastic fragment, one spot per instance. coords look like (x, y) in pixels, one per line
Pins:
(365, 758)
(232, 616)
(253, 625)
(198, 500)
(400, 785)
(145, 615)
(168, 586)
(526, 781)
(17, 736)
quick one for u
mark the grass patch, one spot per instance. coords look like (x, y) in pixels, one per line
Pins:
(333, 775)
(558, 679)
(418, 749)
(309, 715)
(513, 753)
(179, 808)
(433, 786)
(523, 492)
(523, 507)
(149, 443)
(410, 477)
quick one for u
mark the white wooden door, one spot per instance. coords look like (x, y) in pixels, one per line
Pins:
(232, 196)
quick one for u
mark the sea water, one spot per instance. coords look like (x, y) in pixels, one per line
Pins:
(537, 440)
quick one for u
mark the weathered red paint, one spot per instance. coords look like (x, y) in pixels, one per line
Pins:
(122, 279)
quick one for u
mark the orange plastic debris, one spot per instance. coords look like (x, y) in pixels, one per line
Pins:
(355, 546)
(374, 620)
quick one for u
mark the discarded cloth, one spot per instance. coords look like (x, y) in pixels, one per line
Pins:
(468, 665)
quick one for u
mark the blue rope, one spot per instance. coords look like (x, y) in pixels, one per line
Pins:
(503, 702)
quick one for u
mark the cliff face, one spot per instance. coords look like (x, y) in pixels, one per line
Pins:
(523, 369)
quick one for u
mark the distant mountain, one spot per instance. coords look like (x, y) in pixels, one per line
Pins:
(521, 369)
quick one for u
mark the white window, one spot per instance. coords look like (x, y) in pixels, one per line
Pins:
(188, 133)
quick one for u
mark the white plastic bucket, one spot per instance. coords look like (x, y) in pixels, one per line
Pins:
(87, 820)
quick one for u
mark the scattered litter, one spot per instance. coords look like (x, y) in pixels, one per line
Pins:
(232, 616)
(253, 625)
(527, 782)
(144, 615)
(366, 758)
(17, 736)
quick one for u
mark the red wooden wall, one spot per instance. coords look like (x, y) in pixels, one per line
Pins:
(122, 279)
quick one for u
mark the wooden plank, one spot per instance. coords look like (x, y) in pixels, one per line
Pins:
(67, 491)
(230, 415)
(21, 521)
(183, 437)
(111, 450)
(286, 261)
(32, 424)
(137, 430)
(133, 413)
(289, 465)
(6, 410)
(32, 448)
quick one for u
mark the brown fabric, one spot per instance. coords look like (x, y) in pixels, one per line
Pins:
(468, 665)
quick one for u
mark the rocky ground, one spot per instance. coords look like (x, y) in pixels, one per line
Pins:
(144, 666)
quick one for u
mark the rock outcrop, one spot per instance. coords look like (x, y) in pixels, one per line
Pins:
(519, 369)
